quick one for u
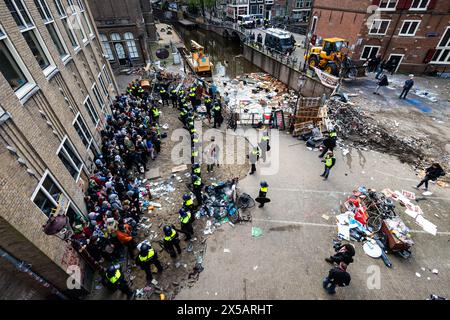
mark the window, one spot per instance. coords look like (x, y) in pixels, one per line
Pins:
(83, 132)
(70, 159)
(31, 34)
(85, 17)
(419, 5)
(388, 4)
(131, 44)
(76, 21)
(91, 110)
(115, 37)
(46, 197)
(12, 67)
(106, 47)
(409, 28)
(49, 22)
(102, 84)
(98, 96)
(369, 52)
(379, 27)
(108, 78)
(442, 55)
(64, 20)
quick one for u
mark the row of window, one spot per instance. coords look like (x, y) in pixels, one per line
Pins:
(441, 56)
(12, 66)
(408, 29)
(415, 5)
(117, 42)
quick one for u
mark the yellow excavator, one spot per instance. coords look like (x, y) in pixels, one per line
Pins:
(198, 61)
(330, 56)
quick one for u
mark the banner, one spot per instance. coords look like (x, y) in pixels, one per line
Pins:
(327, 79)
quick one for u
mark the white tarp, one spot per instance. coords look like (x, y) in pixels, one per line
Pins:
(327, 79)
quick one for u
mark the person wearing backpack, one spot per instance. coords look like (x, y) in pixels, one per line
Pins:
(382, 83)
(337, 276)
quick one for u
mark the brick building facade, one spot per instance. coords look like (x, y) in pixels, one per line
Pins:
(126, 27)
(414, 34)
(55, 89)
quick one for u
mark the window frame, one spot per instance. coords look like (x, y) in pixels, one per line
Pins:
(102, 84)
(51, 20)
(363, 49)
(91, 111)
(81, 122)
(388, 9)
(381, 22)
(441, 48)
(63, 148)
(48, 70)
(31, 84)
(411, 8)
(98, 96)
(107, 53)
(40, 187)
(128, 41)
(407, 34)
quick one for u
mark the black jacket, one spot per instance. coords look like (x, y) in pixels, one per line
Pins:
(434, 173)
(408, 84)
(329, 142)
(339, 277)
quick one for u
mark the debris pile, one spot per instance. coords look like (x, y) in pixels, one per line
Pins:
(362, 131)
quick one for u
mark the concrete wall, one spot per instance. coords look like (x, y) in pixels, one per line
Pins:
(286, 74)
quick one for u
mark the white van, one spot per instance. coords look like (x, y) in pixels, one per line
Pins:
(246, 21)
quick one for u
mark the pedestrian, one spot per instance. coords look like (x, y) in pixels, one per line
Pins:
(114, 279)
(344, 253)
(196, 169)
(329, 143)
(382, 83)
(337, 276)
(186, 220)
(254, 157)
(146, 258)
(329, 161)
(380, 70)
(263, 192)
(212, 155)
(155, 114)
(217, 115)
(171, 240)
(208, 106)
(431, 173)
(174, 97)
(164, 95)
(407, 86)
(188, 204)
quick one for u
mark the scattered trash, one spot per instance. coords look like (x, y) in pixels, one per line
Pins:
(427, 193)
(179, 168)
(255, 267)
(154, 282)
(418, 275)
(435, 271)
(257, 232)
(226, 250)
(325, 217)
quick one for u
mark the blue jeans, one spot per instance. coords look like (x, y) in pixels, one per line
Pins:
(329, 286)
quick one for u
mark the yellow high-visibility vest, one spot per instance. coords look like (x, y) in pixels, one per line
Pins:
(263, 189)
(150, 255)
(169, 238)
(185, 219)
(329, 162)
(189, 202)
(115, 277)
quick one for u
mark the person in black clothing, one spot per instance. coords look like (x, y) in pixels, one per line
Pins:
(171, 240)
(432, 173)
(344, 253)
(337, 276)
(329, 143)
(114, 279)
(407, 86)
(382, 83)
(148, 256)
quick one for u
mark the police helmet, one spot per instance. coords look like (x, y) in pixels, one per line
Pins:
(111, 271)
(264, 184)
(167, 230)
(144, 249)
(182, 212)
(186, 196)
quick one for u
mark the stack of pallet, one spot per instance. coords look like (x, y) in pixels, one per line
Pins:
(309, 115)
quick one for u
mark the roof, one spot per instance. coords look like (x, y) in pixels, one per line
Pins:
(278, 33)
(334, 39)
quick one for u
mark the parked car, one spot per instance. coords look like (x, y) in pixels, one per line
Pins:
(246, 21)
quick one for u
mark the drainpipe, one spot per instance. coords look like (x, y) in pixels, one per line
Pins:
(25, 268)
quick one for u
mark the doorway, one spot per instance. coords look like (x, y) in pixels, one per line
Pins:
(396, 60)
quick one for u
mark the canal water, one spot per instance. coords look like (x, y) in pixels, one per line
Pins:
(226, 55)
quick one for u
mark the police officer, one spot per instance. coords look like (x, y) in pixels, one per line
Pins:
(208, 105)
(254, 157)
(196, 169)
(164, 95)
(155, 114)
(264, 145)
(217, 115)
(140, 92)
(329, 160)
(194, 155)
(197, 188)
(148, 256)
(188, 204)
(183, 115)
(262, 192)
(193, 96)
(171, 240)
(186, 220)
(114, 279)
(174, 97)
